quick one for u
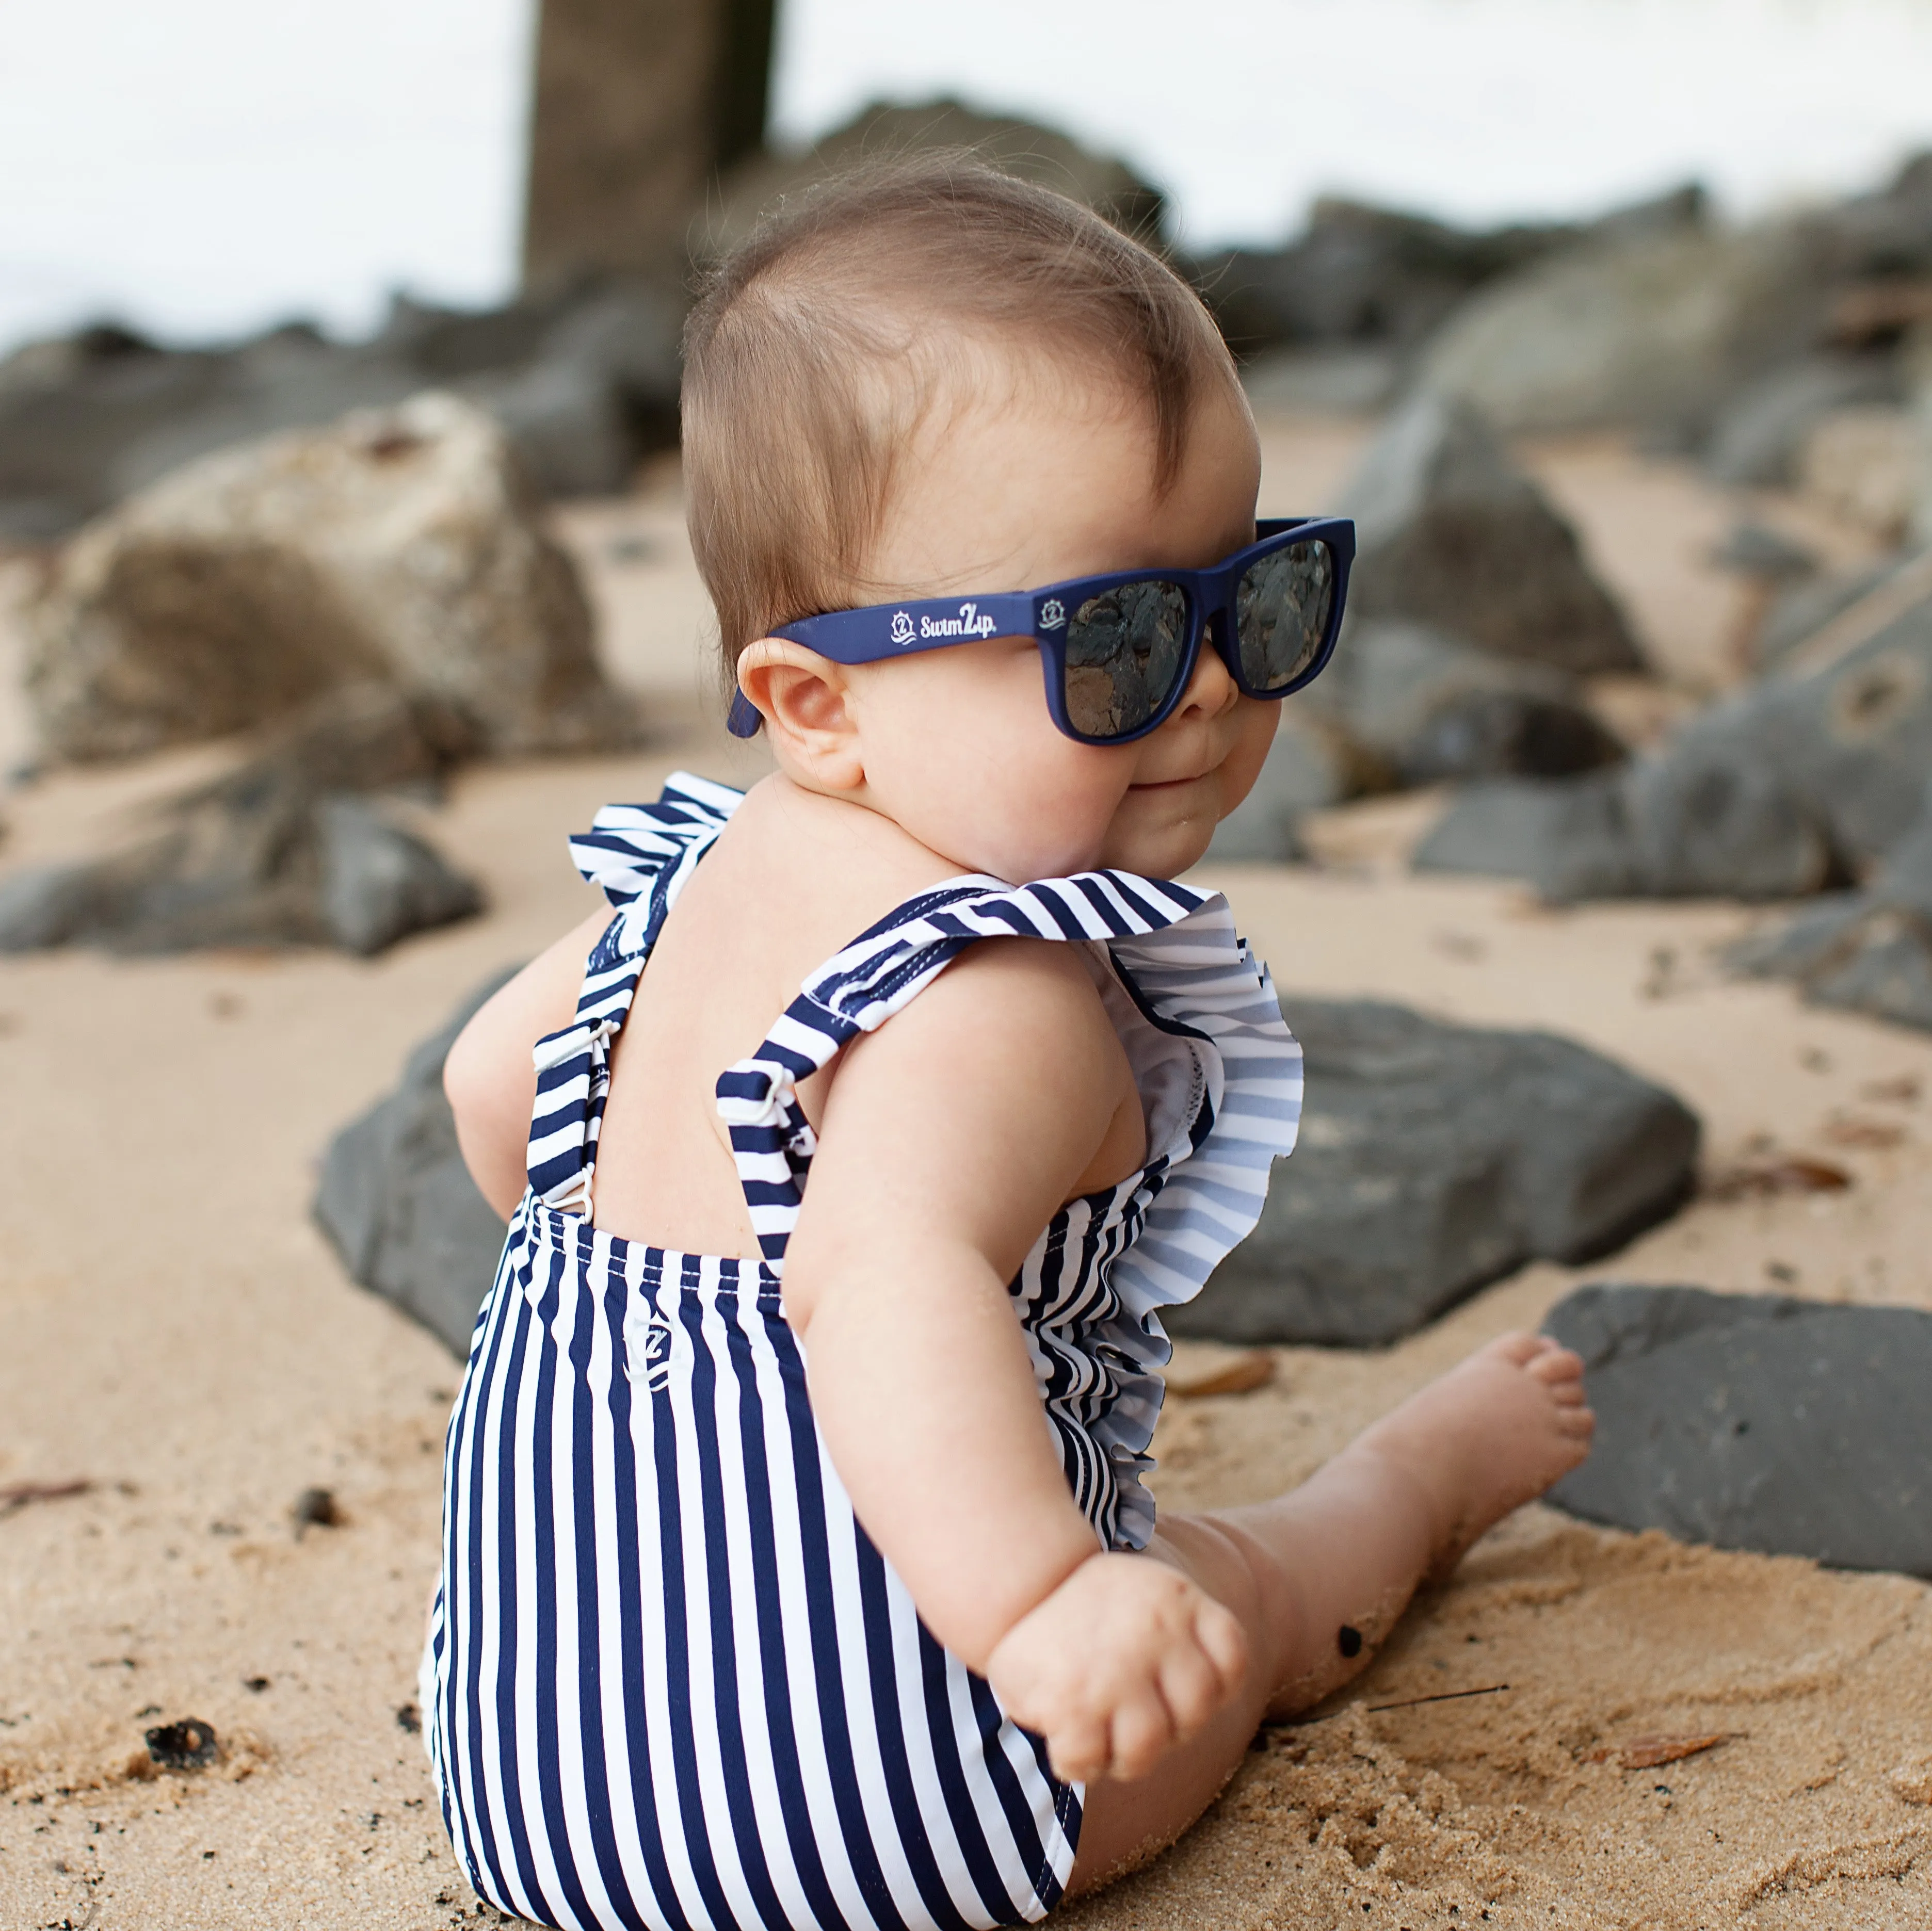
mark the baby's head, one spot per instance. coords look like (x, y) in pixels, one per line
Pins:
(928, 378)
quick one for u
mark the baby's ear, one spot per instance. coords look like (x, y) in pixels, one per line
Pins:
(804, 700)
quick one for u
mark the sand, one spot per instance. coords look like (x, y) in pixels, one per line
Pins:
(178, 1336)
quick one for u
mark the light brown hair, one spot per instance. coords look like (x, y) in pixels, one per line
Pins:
(817, 345)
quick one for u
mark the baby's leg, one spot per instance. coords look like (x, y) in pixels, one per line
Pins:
(1317, 1576)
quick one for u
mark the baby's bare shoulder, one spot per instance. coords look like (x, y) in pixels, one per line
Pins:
(1010, 1012)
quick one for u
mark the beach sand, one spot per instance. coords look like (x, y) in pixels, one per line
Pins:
(175, 1334)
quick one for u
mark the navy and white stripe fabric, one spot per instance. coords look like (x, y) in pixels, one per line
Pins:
(670, 1682)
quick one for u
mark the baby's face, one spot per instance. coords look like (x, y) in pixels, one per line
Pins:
(1044, 483)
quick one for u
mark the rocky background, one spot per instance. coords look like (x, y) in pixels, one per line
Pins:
(1596, 873)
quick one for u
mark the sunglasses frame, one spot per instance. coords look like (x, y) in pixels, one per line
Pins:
(881, 631)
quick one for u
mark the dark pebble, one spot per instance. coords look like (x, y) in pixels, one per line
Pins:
(256, 1683)
(409, 1718)
(187, 1745)
(316, 1506)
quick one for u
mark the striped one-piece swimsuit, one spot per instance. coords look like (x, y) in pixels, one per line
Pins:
(670, 1680)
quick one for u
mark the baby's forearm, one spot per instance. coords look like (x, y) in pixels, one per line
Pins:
(922, 1390)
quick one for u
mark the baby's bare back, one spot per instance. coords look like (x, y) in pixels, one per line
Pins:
(791, 880)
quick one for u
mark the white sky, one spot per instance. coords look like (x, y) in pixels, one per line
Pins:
(205, 166)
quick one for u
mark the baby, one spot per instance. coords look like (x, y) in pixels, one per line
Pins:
(799, 1569)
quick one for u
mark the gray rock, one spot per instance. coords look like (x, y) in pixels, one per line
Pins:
(1756, 550)
(1321, 381)
(1756, 1422)
(282, 851)
(1656, 329)
(68, 409)
(1888, 232)
(1868, 951)
(1758, 436)
(1421, 707)
(1363, 273)
(1449, 532)
(1712, 820)
(1401, 705)
(398, 1204)
(599, 389)
(400, 545)
(1434, 1158)
(378, 883)
(1799, 784)
(584, 382)
(566, 424)
(1570, 840)
(1798, 613)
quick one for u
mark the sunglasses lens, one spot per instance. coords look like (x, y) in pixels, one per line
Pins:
(1124, 650)
(1282, 606)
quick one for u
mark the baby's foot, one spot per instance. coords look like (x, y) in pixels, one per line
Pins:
(1489, 1436)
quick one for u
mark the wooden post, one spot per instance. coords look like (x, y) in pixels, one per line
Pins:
(638, 105)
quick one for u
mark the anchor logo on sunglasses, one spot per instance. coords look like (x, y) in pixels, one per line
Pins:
(1118, 651)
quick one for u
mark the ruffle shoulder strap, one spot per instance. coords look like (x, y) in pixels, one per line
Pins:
(641, 856)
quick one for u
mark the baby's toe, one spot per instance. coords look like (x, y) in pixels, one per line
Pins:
(1520, 1349)
(1555, 1365)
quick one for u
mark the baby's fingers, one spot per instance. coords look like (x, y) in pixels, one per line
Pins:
(1192, 1685)
(1143, 1733)
(1080, 1750)
(1221, 1636)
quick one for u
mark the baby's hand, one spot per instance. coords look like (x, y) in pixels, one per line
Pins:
(1125, 1659)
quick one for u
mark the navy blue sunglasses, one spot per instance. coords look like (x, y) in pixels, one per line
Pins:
(1117, 651)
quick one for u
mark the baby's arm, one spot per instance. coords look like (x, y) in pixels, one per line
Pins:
(489, 1075)
(950, 1138)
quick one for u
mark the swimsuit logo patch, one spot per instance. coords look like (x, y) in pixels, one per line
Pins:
(656, 1352)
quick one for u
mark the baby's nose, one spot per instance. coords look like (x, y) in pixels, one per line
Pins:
(1210, 690)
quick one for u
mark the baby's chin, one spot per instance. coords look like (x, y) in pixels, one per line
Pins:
(1161, 831)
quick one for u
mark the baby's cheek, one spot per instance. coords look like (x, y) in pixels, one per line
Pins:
(1256, 720)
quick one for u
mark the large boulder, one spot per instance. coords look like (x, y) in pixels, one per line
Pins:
(1798, 612)
(1761, 431)
(1868, 951)
(1805, 782)
(1656, 329)
(1362, 274)
(1404, 705)
(1433, 1158)
(1451, 533)
(1359, 273)
(1756, 1422)
(399, 545)
(1887, 232)
(1421, 707)
(288, 849)
(583, 381)
(398, 1204)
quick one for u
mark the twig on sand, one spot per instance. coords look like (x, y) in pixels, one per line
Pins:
(19, 1494)
(1374, 1709)
(1441, 1696)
